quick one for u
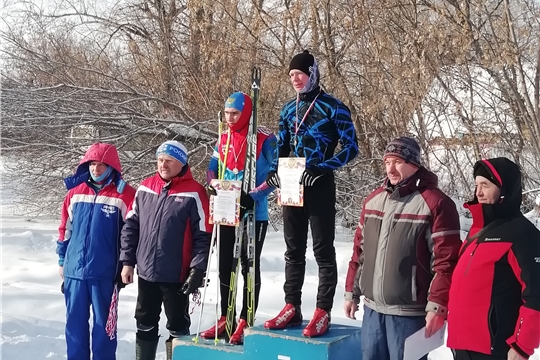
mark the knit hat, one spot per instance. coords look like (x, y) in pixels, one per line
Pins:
(303, 62)
(236, 101)
(174, 149)
(405, 148)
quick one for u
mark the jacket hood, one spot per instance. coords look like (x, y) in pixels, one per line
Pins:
(242, 124)
(105, 153)
(506, 173)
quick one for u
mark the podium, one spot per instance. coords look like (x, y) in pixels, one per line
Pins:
(340, 342)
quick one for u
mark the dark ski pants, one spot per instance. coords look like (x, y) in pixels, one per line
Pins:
(319, 212)
(383, 336)
(473, 355)
(80, 295)
(227, 265)
(149, 299)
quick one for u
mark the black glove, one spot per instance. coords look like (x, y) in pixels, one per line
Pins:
(272, 179)
(246, 203)
(309, 176)
(62, 287)
(193, 282)
(210, 190)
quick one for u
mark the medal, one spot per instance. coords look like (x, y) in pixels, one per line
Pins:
(296, 125)
(235, 171)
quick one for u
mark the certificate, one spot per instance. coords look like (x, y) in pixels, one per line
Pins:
(291, 193)
(225, 206)
(417, 345)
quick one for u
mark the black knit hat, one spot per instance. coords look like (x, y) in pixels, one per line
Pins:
(303, 62)
(405, 148)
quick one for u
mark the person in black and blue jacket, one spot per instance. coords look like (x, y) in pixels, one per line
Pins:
(311, 126)
(167, 237)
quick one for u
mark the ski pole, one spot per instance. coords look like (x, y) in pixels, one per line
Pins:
(196, 338)
(218, 296)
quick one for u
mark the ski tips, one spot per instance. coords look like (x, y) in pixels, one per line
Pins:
(255, 77)
(220, 116)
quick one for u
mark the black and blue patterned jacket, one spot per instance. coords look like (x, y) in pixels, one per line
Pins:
(327, 124)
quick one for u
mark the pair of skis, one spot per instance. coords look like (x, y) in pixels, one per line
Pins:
(247, 224)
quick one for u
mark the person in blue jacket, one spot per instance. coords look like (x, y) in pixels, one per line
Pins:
(311, 126)
(88, 250)
(238, 109)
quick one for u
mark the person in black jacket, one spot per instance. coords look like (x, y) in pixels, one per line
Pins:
(167, 236)
(494, 305)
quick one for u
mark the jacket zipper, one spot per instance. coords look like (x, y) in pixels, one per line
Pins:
(519, 328)
(470, 259)
(159, 216)
(85, 269)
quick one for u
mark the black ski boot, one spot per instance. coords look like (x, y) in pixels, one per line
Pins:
(145, 350)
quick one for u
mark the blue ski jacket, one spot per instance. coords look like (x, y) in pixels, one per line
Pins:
(89, 234)
(316, 135)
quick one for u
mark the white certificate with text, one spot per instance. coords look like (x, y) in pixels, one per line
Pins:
(290, 170)
(225, 206)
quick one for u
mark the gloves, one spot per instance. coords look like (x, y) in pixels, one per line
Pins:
(246, 203)
(272, 179)
(210, 190)
(62, 287)
(193, 282)
(309, 176)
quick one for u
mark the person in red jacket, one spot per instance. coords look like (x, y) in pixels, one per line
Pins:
(494, 305)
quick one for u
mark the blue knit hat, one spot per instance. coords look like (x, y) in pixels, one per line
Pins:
(405, 148)
(174, 149)
(236, 101)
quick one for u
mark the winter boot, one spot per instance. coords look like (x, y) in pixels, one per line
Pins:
(237, 337)
(145, 350)
(211, 333)
(290, 315)
(318, 325)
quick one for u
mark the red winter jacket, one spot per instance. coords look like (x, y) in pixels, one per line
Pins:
(495, 292)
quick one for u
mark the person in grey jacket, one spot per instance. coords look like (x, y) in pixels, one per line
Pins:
(405, 251)
(167, 236)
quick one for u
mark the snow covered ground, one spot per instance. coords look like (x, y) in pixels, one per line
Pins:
(33, 312)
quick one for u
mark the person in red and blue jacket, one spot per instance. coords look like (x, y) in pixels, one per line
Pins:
(494, 305)
(238, 109)
(88, 249)
(167, 236)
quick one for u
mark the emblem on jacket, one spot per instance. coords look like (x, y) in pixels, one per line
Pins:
(108, 210)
